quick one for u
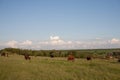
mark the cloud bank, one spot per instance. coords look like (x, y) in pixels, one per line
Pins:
(55, 42)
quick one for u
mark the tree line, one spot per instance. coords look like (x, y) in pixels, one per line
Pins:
(59, 53)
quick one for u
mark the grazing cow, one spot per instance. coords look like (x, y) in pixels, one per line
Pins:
(116, 54)
(27, 57)
(51, 54)
(71, 57)
(4, 54)
(89, 58)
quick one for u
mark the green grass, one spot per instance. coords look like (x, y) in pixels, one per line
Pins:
(15, 67)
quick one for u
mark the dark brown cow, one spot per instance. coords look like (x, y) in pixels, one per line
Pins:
(4, 54)
(51, 54)
(89, 58)
(27, 57)
(71, 57)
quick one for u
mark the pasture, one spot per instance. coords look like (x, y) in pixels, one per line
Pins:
(15, 67)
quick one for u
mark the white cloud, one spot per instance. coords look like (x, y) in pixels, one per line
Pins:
(55, 42)
(27, 42)
(43, 42)
(114, 41)
(54, 38)
(12, 44)
(16, 44)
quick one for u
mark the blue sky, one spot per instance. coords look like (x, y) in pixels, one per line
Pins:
(35, 21)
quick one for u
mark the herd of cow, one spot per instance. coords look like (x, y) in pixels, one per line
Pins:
(69, 58)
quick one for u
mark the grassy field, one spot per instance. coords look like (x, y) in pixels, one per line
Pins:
(15, 67)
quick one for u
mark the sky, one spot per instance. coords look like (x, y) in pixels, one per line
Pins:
(60, 24)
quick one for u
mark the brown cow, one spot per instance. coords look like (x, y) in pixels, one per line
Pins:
(71, 57)
(27, 57)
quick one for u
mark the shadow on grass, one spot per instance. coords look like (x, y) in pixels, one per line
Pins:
(115, 62)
